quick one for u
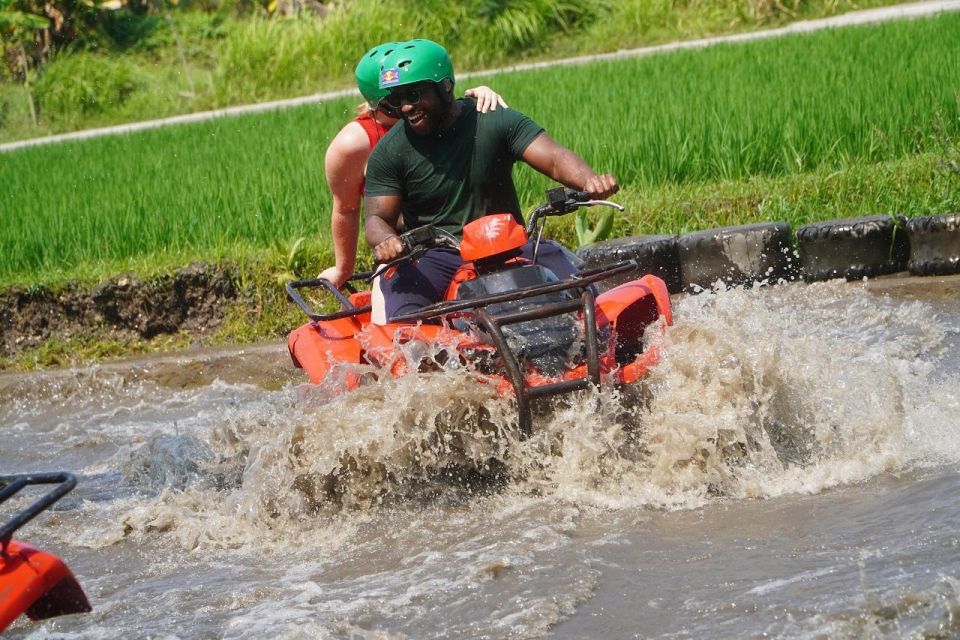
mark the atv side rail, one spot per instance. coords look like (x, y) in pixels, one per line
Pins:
(347, 308)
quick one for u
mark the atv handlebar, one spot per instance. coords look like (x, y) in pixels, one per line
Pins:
(561, 201)
(416, 242)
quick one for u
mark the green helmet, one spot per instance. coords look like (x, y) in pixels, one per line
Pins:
(368, 73)
(416, 61)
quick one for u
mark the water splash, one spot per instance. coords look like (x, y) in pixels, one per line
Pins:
(785, 390)
(761, 393)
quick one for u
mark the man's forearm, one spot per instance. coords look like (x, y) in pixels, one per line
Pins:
(567, 168)
(376, 230)
(570, 169)
(383, 217)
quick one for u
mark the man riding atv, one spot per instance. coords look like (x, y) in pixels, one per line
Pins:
(446, 166)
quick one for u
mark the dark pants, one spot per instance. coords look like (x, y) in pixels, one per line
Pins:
(413, 286)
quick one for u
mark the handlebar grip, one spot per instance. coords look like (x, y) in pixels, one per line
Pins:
(562, 200)
(417, 237)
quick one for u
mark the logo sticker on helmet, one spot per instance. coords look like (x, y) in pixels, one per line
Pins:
(389, 77)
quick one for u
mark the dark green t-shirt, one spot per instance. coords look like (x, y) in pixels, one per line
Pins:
(459, 175)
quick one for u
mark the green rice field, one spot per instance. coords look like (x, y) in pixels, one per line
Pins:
(814, 107)
(131, 65)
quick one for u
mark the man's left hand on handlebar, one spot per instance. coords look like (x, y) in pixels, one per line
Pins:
(601, 187)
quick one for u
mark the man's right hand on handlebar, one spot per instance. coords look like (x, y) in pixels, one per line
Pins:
(601, 187)
(389, 250)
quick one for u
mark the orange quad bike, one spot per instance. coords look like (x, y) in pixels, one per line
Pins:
(33, 581)
(525, 330)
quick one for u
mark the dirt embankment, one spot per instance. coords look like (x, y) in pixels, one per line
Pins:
(194, 300)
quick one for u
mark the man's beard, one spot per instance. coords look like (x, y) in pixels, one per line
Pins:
(428, 122)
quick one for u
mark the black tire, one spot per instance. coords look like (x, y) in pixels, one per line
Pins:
(737, 255)
(934, 245)
(853, 248)
(654, 254)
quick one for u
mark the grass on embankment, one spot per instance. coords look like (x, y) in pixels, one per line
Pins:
(926, 183)
(185, 61)
(834, 101)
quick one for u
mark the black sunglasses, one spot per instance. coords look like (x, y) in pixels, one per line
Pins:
(409, 96)
(387, 109)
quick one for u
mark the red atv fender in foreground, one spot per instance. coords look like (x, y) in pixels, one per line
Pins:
(33, 581)
(530, 333)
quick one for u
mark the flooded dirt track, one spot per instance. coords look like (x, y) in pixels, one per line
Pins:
(792, 471)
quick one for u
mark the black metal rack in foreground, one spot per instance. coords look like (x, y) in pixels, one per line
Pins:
(14, 484)
(493, 325)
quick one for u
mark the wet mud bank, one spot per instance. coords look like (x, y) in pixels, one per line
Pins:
(193, 300)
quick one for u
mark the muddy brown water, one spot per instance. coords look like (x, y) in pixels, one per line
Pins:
(794, 471)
